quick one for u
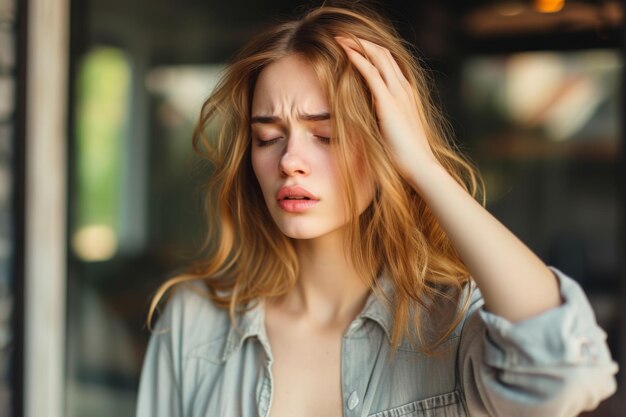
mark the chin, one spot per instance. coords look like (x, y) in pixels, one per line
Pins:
(306, 226)
(308, 230)
(299, 232)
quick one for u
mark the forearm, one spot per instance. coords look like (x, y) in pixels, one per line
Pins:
(514, 282)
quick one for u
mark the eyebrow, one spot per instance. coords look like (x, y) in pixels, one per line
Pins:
(275, 119)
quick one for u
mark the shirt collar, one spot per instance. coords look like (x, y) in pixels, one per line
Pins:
(252, 322)
(377, 308)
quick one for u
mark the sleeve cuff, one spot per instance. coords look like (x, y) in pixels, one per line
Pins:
(566, 334)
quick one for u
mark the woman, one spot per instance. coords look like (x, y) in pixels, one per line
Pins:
(342, 278)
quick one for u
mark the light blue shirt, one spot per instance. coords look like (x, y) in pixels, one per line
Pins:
(553, 364)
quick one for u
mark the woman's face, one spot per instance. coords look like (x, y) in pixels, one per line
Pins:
(291, 154)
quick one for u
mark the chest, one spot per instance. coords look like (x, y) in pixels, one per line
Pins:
(306, 371)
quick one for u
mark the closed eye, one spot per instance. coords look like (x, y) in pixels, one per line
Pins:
(261, 142)
(323, 139)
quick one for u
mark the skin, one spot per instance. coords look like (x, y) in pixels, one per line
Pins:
(305, 327)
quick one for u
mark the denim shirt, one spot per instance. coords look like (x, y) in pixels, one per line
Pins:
(553, 364)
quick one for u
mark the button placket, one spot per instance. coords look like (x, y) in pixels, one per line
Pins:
(350, 386)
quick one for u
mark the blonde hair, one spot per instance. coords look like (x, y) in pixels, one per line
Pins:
(248, 256)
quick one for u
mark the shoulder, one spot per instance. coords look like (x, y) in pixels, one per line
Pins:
(191, 319)
(442, 317)
(455, 306)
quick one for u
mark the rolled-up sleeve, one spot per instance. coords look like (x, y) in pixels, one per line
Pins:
(554, 364)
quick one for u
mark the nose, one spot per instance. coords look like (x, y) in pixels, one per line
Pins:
(293, 161)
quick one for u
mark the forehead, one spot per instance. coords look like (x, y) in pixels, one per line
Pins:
(288, 86)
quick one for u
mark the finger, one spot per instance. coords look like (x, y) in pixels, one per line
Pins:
(369, 72)
(390, 66)
(399, 81)
(382, 59)
(371, 52)
(403, 80)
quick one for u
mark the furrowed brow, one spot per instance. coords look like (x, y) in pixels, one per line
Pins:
(274, 119)
(315, 117)
(264, 119)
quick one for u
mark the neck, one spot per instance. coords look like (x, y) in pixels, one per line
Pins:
(329, 290)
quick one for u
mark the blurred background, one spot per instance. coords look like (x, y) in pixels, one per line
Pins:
(534, 90)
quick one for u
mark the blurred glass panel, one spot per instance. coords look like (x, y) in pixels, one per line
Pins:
(102, 117)
(128, 176)
(544, 127)
(8, 80)
(544, 98)
(545, 130)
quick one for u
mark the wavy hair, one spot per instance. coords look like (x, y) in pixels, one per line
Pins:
(248, 257)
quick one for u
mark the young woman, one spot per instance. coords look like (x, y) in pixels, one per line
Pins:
(353, 272)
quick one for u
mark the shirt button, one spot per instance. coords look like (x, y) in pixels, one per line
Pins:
(353, 401)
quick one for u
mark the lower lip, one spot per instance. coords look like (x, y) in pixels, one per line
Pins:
(296, 206)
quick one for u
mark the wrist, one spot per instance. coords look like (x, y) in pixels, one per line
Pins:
(418, 167)
(425, 173)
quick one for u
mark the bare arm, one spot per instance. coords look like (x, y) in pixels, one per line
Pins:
(514, 282)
